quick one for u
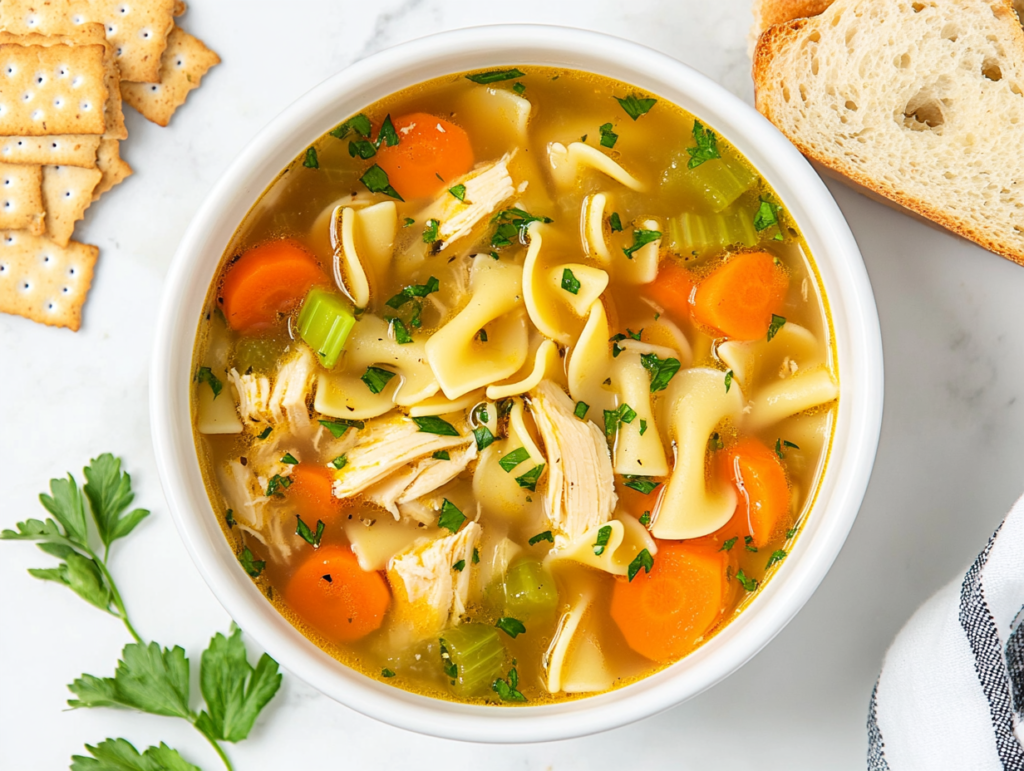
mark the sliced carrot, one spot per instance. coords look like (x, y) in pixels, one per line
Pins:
(431, 153)
(759, 477)
(331, 593)
(270, 279)
(740, 297)
(663, 613)
(672, 289)
(310, 493)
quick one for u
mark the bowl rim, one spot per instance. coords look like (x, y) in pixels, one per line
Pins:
(836, 255)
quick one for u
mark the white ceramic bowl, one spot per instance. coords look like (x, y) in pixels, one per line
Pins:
(846, 283)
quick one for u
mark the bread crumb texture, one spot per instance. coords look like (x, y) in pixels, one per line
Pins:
(919, 100)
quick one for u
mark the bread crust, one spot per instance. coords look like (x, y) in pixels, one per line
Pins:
(768, 13)
(774, 40)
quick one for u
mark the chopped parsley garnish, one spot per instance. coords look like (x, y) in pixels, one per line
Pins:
(205, 375)
(583, 138)
(608, 137)
(779, 444)
(641, 484)
(615, 222)
(749, 544)
(451, 518)
(311, 161)
(643, 426)
(519, 88)
(545, 536)
(459, 566)
(716, 442)
(727, 546)
(415, 290)
(767, 215)
(265, 433)
(791, 532)
(530, 478)
(450, 667)
(430, 232)
(602, 540)
(512, 224)
(707, 146)
(386, 673)
(508, 691)
(476, 556)
(642, 560)
(777, 556)
(431, 424)
(748, 584)
(661, 370)
(409, 221)
(728, 380)
(612, 418)
(376, 181)
(495, 76)
(400, 331)
(636, 107)
(251, 566)
(229, 518)
(387, 134)
(376, 379)
(513, 627)
(289, 459)
(581, 410)
(276, 483)
(778, 322)
(340, 426)
(569, 282)
(364, 148)
(512, 459)
(306, 534)
(459, 191)
(340, 462)
(645, 518)
(482, 335)
(641, 238)
(484, 437)
(360, 124)
(441, 455)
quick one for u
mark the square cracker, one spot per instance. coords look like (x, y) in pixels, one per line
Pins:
(115, 169)
(21, 198)
(185, 62)
(137, 29)
(43, 281)
(52, 89)
(67, 193)
(55, 150)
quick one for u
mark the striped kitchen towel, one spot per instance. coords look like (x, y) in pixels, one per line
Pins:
(951, 691)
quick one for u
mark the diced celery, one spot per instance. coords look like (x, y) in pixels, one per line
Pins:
(473, 657)
(529, 589)
(716, 184)
(699, 235)
(258, 354)
(324, 323)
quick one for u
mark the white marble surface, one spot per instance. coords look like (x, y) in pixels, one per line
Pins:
(948, 468)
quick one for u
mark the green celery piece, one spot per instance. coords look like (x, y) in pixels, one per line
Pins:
(478, 655)
(260, 354)
(324, 323)
(721, 182)
(529, 589)
(699, 235)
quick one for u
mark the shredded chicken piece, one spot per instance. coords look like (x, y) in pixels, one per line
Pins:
(385, 447)
(419, 479)
(580, 492)
(285, 402)
(253, 394)
(244, 491)
(430, 594)
(487, 188)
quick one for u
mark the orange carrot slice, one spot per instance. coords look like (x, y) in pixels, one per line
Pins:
(430, 155)
(310, 493)
(740, 297)
(672, 289)
(759, 477)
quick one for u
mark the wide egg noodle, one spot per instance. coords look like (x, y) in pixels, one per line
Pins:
(439, 404)
(626, 539)
(216, 413)
(567, 163)
(497, 118)
(589, 363)
(545, 365)
(376, 541)
(642, 267)
(459, 359)
(592, 225)
(792, 349)
(574, 662)
(344, 395)
(639, 449)
(593, 282)
(363, 241)
(688, 507)
(804, 391)
(496, 490)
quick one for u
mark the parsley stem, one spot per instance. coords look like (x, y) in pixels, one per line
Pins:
(217, 747)
(115, 595)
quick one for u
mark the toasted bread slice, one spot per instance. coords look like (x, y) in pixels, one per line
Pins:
(768, 13)
(920, 101)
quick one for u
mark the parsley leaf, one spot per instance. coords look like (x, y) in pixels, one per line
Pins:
(289, 459)
(431, 424)
(360, 124)
(640, 239)
(608, 137)
(441, 455)
(412, 291)
(459, 566)
(777, 556)
(484, 437)
(251, 566)
(728, 380)
(234, 691)
(364, 148)
(791, 532)
(409, 221)
(661, 370)
(512, 224)
(767, 215)
(376, 379)
(512, 459)
(643, 426)
(265, 433)
(400, 331)
(602, 540)
(641, 484)
(507, 690)
(311, 161)
(519, 88)
(495, 76)
(386, 673)
(148, 678)
(376, 181)
(121, 755)
(476, 556)
(276, 483)
(109, 492)
(727, 546)
(615, 222)
(748, 584)
(642, 560)
(451, 518)
(387, 134)
(513, 627)
(340, 462)
(778, 322)
(340, 426)
(430, 232)
(636, 107)
(569, 282)
(545, 536)
(306, 534)
(581, 410)
(749, 543)
(645, 518)
(205, 375)
(459, 191)
(530, 478)
(612, 418)
(707, 146)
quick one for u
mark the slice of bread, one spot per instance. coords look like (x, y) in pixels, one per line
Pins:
(768, 13)
(920, 101)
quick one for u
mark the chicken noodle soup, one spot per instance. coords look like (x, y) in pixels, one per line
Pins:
(514, 387)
